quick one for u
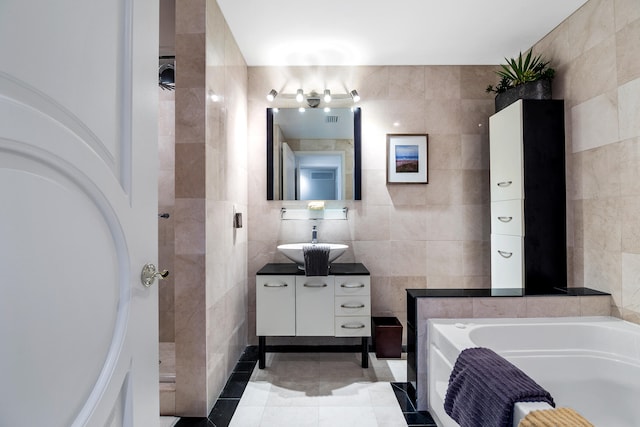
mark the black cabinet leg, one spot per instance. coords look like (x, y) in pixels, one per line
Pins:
(365, 352)
(262, 351)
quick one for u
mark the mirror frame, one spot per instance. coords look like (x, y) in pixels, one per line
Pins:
(357, 153)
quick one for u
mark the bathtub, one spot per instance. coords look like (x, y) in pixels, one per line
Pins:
(590, 364)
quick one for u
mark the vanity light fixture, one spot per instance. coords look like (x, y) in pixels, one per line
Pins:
(272, 95)
(327, 95)
(313, 98)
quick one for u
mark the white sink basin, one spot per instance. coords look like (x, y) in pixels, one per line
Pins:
(294, 251)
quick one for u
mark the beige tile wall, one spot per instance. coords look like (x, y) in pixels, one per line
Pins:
(596, 52)
(408, 236)
(210, 186)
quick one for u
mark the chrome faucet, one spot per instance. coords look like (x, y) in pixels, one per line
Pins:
(314, 234)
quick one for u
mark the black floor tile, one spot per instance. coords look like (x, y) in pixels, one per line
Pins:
(403, 399)
(250, 354)
(194, 422)
(419, 419)
(414, 418)
(245, 366)
(222, 412)
(235, 385)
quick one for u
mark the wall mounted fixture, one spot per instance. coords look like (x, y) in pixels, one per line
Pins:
(313, 98)
(166, 72)
(272, 95)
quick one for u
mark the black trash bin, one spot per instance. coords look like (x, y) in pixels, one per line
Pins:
(387, 337)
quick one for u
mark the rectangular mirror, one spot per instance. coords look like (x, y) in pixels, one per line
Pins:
(313, 154)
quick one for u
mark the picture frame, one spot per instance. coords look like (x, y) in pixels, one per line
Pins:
(407, 158)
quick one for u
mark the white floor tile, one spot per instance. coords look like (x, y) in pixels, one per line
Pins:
(168, 421)
(322, 389)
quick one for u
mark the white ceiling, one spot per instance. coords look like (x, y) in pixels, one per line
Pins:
(399, 32)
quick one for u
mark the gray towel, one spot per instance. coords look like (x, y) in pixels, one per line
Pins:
(483, 387)
(316, 259)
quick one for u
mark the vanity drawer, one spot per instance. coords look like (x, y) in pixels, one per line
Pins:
(507, 261)
(353, 285)
(353, 326)
(506, 217)
(358, 305)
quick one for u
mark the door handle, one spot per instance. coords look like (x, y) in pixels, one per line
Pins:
(149, 274)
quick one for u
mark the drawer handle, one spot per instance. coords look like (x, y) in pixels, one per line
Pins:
(275, 285)
(505, 254)
(352, 326)
(505, 218)
(352, 305)
(312, 285)
(505, 183)
(352, 285)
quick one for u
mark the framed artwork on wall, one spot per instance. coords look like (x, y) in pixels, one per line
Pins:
(407, 158)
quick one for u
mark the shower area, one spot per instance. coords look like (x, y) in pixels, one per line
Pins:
(202, 182)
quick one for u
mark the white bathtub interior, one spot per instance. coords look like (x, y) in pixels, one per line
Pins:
(590, 364)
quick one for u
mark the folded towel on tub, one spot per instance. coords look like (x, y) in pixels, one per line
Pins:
(559, 417)
(483, 387)
(316, 259)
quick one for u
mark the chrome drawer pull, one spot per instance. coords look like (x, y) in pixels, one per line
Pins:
(505, 218)
(352, 326)
(311, 285)
(275, 285)
(505, 254)
(352, 285)
(352, 305)
(505, 183)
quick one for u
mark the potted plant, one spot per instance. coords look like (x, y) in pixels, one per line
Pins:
(528, 78)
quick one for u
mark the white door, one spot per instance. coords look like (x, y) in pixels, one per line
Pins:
(78, 212)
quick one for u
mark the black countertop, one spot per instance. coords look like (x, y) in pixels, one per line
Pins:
(514, 292)
(337, 269)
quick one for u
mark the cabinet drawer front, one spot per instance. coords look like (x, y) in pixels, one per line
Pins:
(353, 326)
(353, 285)
(358, 305)
(507, 261)
(275, 305)
(506, 217)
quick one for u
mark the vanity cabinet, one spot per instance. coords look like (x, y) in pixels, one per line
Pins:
(528, 196)
(292, 304)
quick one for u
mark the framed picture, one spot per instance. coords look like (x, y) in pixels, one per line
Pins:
(407, 158)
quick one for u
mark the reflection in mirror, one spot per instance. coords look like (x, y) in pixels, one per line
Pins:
(313, 154)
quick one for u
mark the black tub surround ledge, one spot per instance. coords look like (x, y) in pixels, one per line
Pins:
(424, 304)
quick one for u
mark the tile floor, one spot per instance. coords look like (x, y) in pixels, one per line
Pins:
(314, 389)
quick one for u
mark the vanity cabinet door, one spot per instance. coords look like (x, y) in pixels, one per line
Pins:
(275, 306)
(314, 306)
(505, 153)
